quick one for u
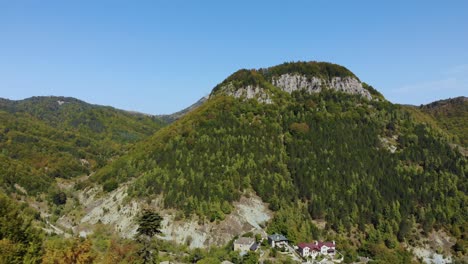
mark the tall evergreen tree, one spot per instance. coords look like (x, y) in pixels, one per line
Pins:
(149, 224)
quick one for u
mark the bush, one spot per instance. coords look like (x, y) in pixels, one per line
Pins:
(110, 185)
(60, 198)
(299, 128)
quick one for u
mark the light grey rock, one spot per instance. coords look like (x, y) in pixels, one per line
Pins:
(290, 83)
(293, 82)
(247, 92)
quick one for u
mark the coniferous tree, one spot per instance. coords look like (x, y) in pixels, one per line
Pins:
(149, 224)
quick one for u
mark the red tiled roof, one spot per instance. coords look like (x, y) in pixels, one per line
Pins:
(328, 244)
(303, 245)
(313, 246)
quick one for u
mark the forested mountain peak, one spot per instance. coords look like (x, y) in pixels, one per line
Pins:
(323, 70)
(38, 101)
(41, 104)
(371, 171)
(268, 84)
(331, 156)
(69, 112)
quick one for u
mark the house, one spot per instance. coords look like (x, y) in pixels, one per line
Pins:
(277, 240)
(315, 248)
(254, 247)
(244, 244)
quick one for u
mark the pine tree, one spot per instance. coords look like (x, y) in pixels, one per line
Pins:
(149, 224)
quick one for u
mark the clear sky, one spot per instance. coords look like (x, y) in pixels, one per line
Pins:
(161, 56)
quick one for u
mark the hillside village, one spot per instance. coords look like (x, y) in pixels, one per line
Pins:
(305, 252)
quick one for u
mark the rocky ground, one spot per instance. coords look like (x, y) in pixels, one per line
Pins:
(92, 206)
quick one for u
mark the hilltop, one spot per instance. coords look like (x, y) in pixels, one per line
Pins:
(267, 85)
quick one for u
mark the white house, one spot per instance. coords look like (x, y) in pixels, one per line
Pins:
(277, 240)
(244, 244)
(315, 248)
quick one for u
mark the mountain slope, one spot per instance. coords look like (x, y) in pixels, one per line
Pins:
(328, 154)
(173, 117)
(354, 160)
(42, 138)
(451, 115)
(101, 122)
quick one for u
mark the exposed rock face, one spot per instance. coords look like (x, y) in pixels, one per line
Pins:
(349, 85)
(248, 92)
(293, 82)
(290, 83)
(248, 216)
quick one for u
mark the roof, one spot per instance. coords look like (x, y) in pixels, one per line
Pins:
(254, 247)
(277, 237)
(317, 245)
(328, 244)
(312, 246)
(244, 241)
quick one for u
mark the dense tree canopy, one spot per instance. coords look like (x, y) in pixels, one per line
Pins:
(43, 138)
(20, 241)
(352, 162)
(369, 169)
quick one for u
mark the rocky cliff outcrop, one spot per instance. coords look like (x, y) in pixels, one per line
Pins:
(247, 92)
(293, 82)
(269, 83)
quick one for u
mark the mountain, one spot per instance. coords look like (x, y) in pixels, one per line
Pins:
(451, 115)
(94, 120)
(448, 116)
(266, 85)
(173, 117)
(42, 138)
(316, 144)
(305, 149)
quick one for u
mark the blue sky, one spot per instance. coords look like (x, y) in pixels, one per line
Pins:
(160, 56)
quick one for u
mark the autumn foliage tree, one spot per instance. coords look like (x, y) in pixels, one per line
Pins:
(20, 241)
(74, 251)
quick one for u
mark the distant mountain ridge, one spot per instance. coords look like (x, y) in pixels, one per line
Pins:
(460, 100)
(173, 117)
(46, 137)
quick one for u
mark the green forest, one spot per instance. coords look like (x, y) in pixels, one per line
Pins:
(328, 154)
(378, 174)
(450, 115)
(43, 138)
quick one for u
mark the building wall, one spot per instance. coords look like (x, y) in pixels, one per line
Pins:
(276, 244)
(242, 247)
